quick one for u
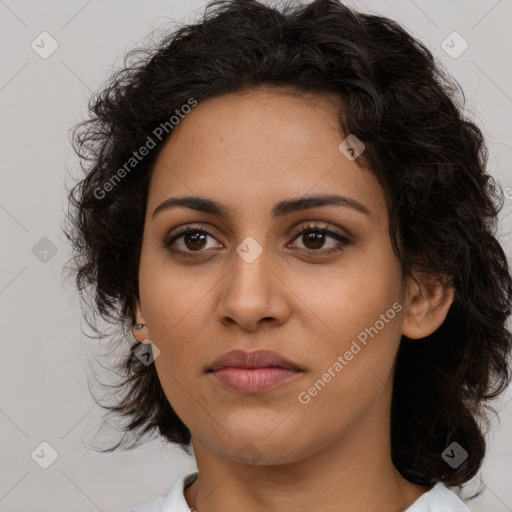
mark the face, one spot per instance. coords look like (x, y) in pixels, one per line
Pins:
(249, 279)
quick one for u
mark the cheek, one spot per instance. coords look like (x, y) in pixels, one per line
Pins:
(176, 322)
(171, 295)
(344, 302)
(357, 317)
(352, 368)
(178, 309)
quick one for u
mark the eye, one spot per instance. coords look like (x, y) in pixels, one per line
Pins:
(194, 240)
(314, 238)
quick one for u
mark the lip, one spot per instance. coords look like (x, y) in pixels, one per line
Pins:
(254, 380)
(256, 359)
(253, 372)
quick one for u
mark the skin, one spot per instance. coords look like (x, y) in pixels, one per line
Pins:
(250, 151)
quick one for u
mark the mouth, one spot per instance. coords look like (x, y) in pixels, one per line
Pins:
(253, 372)
(249, 360)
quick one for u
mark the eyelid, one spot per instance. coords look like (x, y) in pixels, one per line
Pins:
(343, 240)
(325, 227)
(171, 237)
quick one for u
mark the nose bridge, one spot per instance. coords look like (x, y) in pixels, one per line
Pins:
(250, 292)
(249, 273)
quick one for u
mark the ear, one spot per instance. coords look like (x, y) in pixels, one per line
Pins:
(427, 304)
(141, 335)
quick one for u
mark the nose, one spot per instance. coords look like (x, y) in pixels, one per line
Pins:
(253, 294)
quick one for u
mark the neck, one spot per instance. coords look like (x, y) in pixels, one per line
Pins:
(352, 472)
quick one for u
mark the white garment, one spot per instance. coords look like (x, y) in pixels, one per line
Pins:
(438, 499)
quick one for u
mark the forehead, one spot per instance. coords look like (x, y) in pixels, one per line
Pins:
(258, 146)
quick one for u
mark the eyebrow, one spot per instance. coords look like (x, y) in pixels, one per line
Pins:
(206, 205)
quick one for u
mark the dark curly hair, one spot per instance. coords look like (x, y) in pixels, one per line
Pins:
(428, 157)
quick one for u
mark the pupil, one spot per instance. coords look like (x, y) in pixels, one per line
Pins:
(316, 238)
(197, 241)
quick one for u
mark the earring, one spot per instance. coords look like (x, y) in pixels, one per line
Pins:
(139, 326)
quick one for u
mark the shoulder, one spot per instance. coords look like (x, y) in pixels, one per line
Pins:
(173, 502)
(438, 499)
(151, 506)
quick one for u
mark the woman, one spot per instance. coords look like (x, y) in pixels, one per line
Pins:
(288, 211)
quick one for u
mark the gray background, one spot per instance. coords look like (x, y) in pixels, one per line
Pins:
(44, 394)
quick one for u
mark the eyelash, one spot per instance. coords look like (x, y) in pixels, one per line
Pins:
(315, 228)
